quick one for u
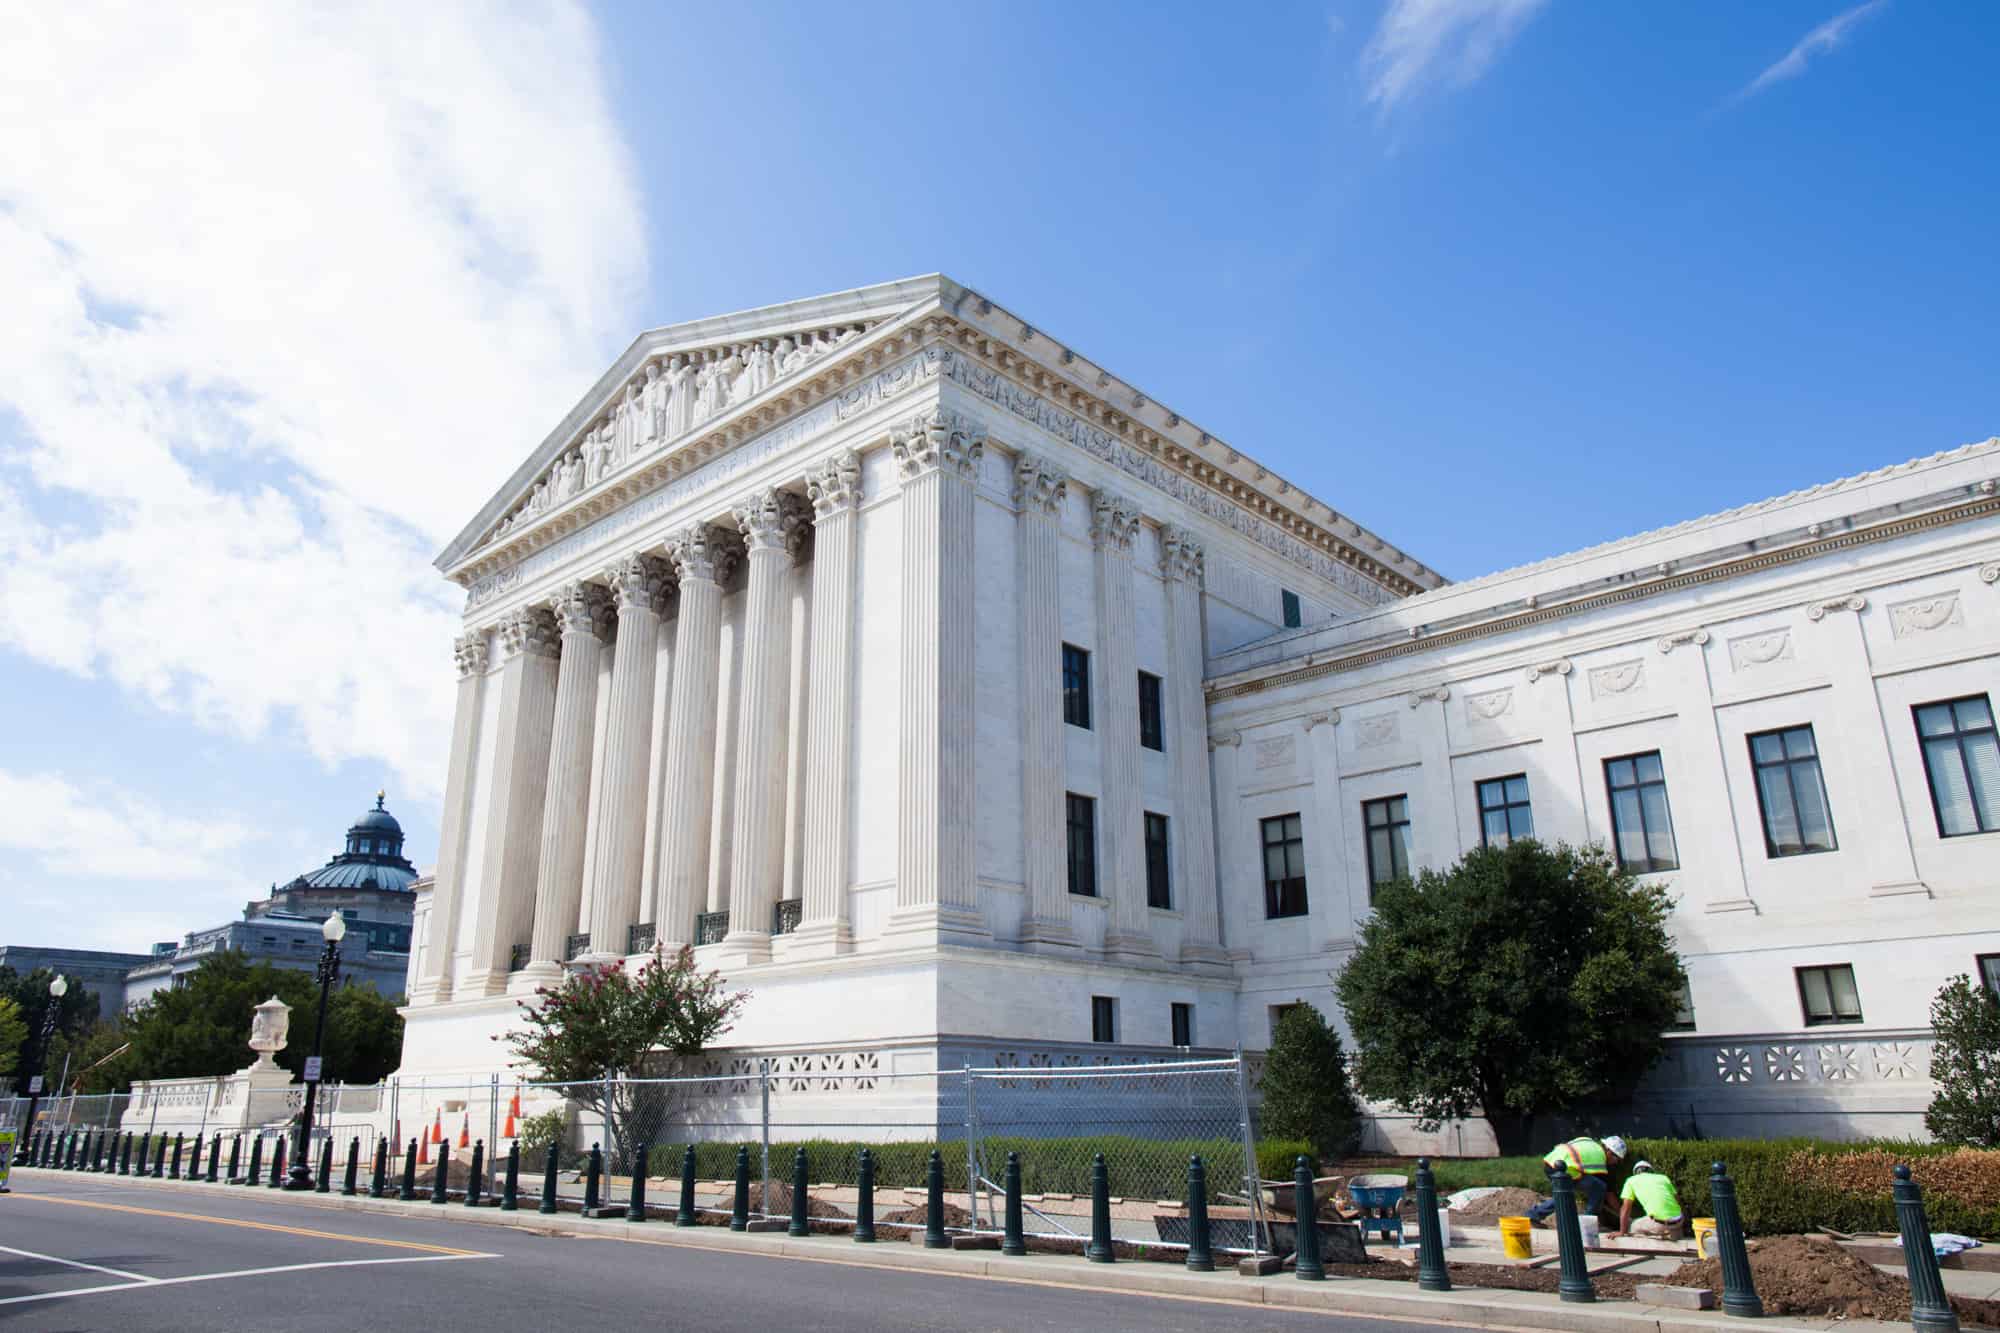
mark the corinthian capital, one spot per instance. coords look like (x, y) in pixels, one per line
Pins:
(1114, 521)
(942, 439)
(638, 582)
(834, 487)
(700, 552)
(469, 651)
(768, 519)
(1039, 485)
(532, 631)
(1180, 555)
(582, 608)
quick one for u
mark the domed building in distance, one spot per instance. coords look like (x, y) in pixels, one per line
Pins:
(368, 882)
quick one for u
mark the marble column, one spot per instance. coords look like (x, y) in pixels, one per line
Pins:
(835, 491)
(1039, 488)
(757, 841)
(583, 614)
(441, 939)
(938, 455)
(1187, 746)
(638, 588)
(1841, 641)
(701, 558)
(1703, 803)
(515, 801)
(1114, 524)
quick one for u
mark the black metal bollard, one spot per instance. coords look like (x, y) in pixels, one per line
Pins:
(864, 1206)
(93, 1152)
(194, 1158)
(1200, 1255)
(235, 1157)
(477, 1176)
(799, 1225)
(89, 1141)
(1930, 1308)
(1739, 1289)
(1575, 1284)
(256, 1171)
(277, 1180)
(934, 1237)
(1306, 1223)
(407, 1191)
(739, 1204)
(548, 1204)
(1431, 1272)
(125, 1159)
(593, 1180)
(351, 1177)
(378, 1178)
(215, 1159)
(145, 1147)
(324, 1185)
(441, 1179)
(635, 1208)
(684, 1215)
(510, 1187)
(1013, 1242)
(160, 1158)
(179, 1145)
(1099, 1249)
(76, 1146)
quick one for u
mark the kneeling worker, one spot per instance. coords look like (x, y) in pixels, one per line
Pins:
(1588, 1162)
(1657, 1198)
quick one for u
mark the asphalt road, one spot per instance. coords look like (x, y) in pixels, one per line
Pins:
(82, 1253)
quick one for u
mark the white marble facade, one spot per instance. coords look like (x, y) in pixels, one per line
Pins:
(763, 652)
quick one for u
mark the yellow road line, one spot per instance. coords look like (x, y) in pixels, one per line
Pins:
(243, 1222)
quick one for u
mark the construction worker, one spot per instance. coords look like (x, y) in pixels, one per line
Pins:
(1658, 1200)
(1588, 1162)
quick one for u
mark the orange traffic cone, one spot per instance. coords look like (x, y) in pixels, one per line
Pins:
(465, 1132)
(508, 1130)
(437, 1127)
(513, 1113)
(424, 1151)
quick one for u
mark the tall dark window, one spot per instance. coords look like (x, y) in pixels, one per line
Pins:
(1082, 846)
(1159, 882)
(1828, 995)
(1152, 730)
(1289, 600)
(1962, 761)
(1183, 1021)
(1790, 794)
(1684, 1010)
(1103, 1018)
(1387, 826)
(1641, 824)
(1989, 972)
(1076, 686)
(1504, 812)
(1284, 866)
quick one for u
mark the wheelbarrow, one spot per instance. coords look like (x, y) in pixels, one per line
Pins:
(1378, 1198)
(1280, 1196)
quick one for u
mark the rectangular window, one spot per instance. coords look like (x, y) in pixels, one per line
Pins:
(1684, 1010)
(1103, 1018)
(1076, 686)
(1290, 601)
(1962, 761)
(1159, 885)
(1082, 846)
(1641, 825)
(1284, 867)
(1152, 729)
(1790, 793)
(1989, 972)
(1387, 823)
(1183, 1025)
(1827, 995)
(1504, 812)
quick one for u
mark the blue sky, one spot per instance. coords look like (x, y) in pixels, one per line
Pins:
(1500, 278)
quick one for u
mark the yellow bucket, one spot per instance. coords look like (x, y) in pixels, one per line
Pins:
(1517, 1238)
(1704, 1236)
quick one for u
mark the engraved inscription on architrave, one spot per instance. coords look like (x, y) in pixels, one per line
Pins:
(1924, 614)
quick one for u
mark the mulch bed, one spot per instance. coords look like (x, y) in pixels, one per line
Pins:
(1800, 1275)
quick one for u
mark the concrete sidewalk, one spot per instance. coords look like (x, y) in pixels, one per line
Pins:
(1354, 1296)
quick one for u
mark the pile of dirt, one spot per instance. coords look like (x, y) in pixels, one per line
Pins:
(781, 1202)
(1800, 1275)
(1492, 1277)
(918, 1217)
(1487, 1209)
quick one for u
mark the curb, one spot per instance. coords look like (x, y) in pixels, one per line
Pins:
(1530, 1312)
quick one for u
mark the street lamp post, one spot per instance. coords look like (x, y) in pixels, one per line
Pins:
(57, 989)
(332, 929)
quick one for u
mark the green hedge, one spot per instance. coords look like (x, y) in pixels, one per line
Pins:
(1048, 1166)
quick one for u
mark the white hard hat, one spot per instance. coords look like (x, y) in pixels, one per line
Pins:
(1637, 1167)
(1614, 1145)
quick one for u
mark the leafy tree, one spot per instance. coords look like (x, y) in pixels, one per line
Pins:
(1304, 1084)
(1965, 1065)
(607, 1021)
(13, 1035)
(95, 1058)
(77, 1011)
(1523, 981)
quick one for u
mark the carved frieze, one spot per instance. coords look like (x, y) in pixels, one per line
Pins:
(1615, 678)
(1923, 614)
(1755, 650)
(1374, 733)
(1276, 752)
(1488, 705)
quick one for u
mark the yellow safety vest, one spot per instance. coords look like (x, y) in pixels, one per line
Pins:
(1579, 1157)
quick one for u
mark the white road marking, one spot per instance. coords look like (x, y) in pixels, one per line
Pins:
(75, 1263)
(147, 1283)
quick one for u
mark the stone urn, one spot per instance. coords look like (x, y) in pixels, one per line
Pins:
(270, 1022)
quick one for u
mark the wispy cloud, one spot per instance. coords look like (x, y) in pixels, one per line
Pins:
(1421, 45)
(1828, 36)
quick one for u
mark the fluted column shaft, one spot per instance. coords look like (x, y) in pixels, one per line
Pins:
(835, 492)
(434, 984)
(1039, 489)
(583, 615)
(687, 795)
(1114, 526)
(938, 455)
(1197, 889)
(757, 840)
(516, 799)
(637, 587)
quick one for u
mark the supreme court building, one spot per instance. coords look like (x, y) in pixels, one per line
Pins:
(965, 703)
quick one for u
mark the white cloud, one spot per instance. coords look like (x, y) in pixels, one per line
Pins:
(1826, 37)
(110, 833)
(290, 290)
(1419, 45)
